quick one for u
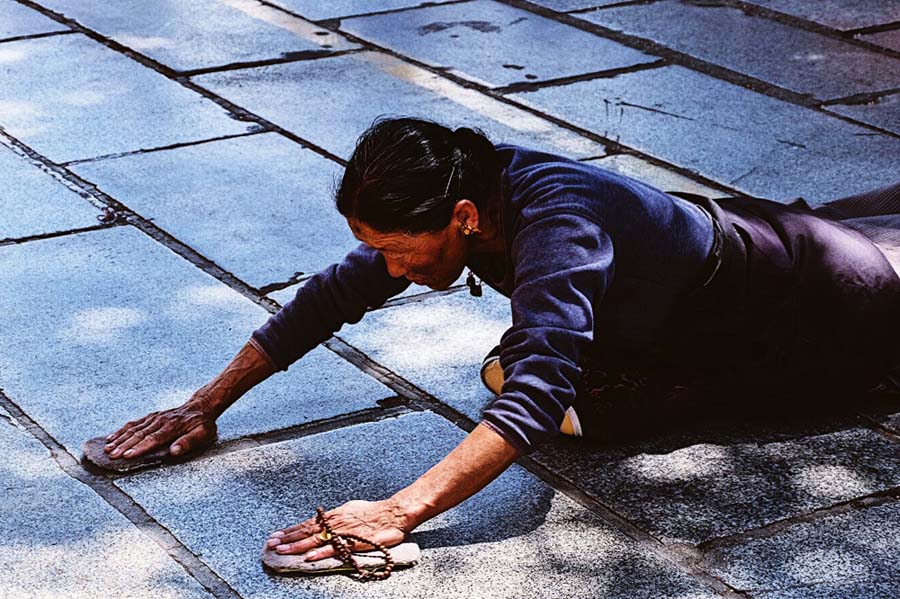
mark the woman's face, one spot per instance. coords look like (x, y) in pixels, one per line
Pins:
(432, 259)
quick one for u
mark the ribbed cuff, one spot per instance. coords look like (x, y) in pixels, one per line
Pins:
(511, 439)
(264, 354)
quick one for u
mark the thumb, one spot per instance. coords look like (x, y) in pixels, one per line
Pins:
(196, 438)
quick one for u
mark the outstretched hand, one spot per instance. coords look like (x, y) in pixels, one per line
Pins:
(382, 522)
(186, 427)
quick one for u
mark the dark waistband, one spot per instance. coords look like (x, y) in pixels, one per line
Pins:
(723, 246)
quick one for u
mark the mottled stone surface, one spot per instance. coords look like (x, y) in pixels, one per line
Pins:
(657, 176)
(891, 421)
(514, 538)
(34, 202)
(71, 98)
(494, 44)
(17, 20)
(839, 14)
(737, 137)
(342, 96)
(721, 479)
(261, 206)
(802, 61)
(855, 554)
(856, 590)
(883, 113)
(438, 344)
(567, 5)
(125, 327)
(201, 33)
(886, 39)
(318, 10)
(60, 538)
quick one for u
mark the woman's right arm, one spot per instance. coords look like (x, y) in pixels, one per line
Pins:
(193, 424)
(339, 294)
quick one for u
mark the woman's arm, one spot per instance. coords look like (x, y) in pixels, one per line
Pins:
(481, 457)
(193, 424)
(339, 294)
(563, 263)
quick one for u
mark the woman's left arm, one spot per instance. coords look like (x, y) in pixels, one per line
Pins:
(481, 457)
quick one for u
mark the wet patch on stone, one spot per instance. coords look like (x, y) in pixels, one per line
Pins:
(490, 35)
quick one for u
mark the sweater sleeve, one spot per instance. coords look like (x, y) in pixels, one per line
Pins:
(324, 303)
(563, 264)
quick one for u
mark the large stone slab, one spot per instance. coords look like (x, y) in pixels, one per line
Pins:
(839, 14)
(17, 20)
(69, 98)
(790, 57)
(729, 477)
(883, 113)
(657, 176)
(110, 325)
(886, 39)
(318, 10)
(341, 96)
(261, 206)
(855, 554)
(517, 537)
(568, 5)
(202, 33)
(729, 134)
(60, 538)
(494, 44)
(438, 344)
(33, 202)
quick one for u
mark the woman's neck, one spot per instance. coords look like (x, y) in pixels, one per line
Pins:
(490, 240)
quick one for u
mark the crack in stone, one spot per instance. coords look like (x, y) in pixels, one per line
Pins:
(790, 143)
(772, 529)
(650, 109)
(745, 175)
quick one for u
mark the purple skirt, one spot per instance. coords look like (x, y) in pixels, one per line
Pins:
(798, 302)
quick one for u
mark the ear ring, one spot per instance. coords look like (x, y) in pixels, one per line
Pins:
(467, 230)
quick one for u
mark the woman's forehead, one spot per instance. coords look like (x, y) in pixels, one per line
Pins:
(372, 237)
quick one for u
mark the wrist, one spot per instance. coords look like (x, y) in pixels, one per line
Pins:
(210, 402)
(411, 507)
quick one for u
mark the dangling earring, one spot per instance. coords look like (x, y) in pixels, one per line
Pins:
(473, 285)
(467, 230)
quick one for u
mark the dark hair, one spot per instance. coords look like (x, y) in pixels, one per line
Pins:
(407, 175)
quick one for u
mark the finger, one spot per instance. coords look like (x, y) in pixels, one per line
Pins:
(130, 425)
(137, 433)
(299, 546)
(295, 533)
(320, 553)
(308, 527)
(126, 444)
(194, 438)
(150, 442)
(126, 430)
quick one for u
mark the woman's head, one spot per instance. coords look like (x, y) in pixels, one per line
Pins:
(417, 191)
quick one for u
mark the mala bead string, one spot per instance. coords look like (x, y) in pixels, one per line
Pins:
(342, 545)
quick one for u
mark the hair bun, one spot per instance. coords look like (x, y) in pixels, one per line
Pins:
(473, 144)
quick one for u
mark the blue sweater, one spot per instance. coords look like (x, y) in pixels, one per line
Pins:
(592, 256)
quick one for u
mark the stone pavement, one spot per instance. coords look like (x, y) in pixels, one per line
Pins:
(209, 135)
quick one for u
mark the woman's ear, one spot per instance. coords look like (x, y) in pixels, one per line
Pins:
(466, 212)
